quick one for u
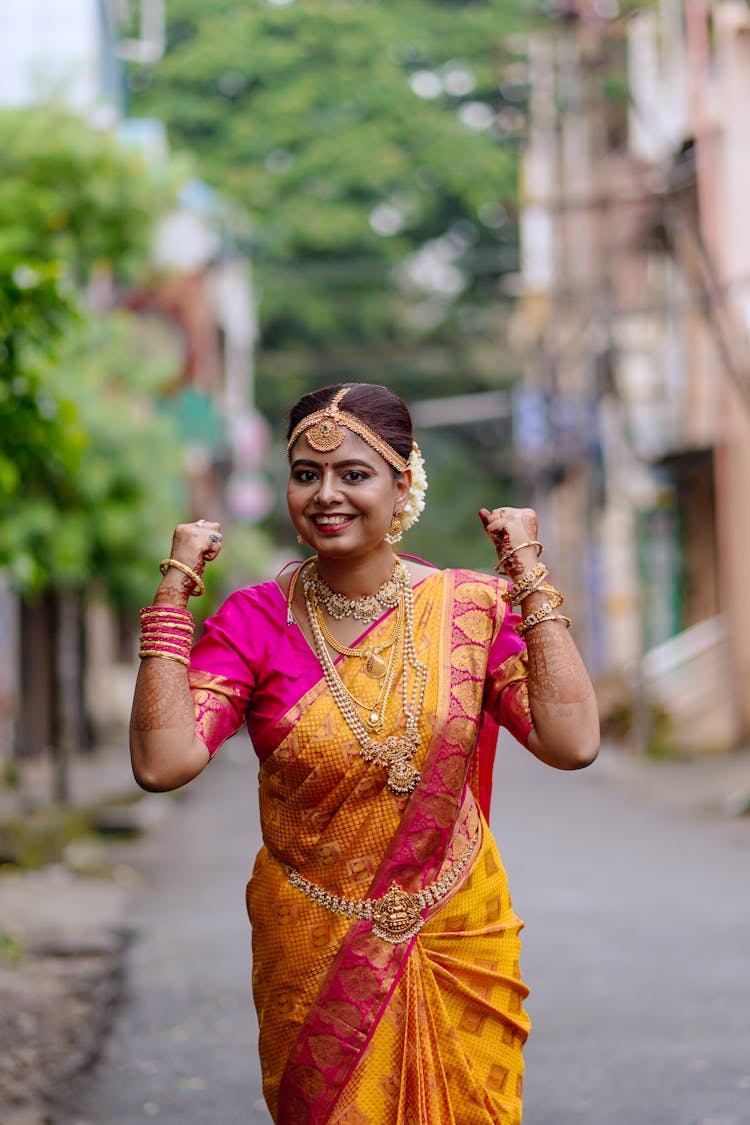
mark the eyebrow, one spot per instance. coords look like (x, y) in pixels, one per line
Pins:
(350, 463)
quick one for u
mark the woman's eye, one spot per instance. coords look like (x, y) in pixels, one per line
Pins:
(305, 476)
(355, 475)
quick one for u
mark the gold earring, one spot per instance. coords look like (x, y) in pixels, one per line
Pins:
(395, 531)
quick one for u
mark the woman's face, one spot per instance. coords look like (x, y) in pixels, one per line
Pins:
(342, 502)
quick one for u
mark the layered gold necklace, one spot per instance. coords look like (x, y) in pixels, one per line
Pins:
(374, 665)
(396, 752)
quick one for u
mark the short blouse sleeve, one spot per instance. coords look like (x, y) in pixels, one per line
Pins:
(221, 672)
(506, 696)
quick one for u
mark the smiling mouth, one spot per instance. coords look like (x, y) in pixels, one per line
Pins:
(331, 521)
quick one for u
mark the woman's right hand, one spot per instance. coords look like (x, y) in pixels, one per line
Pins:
(193, 544)
(197, 543)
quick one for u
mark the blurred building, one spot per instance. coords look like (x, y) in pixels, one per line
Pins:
(633, 421)
(66, 51)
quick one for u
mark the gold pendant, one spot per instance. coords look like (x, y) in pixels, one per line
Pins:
(403, 778)
(397, 916)
(375, 667)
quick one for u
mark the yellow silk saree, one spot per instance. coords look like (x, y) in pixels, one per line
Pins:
(355, 1029)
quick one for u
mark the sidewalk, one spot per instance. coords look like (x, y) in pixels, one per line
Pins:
(704, 787)
(95, 777)
(63, 933)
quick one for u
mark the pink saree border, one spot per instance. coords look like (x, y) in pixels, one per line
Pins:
(366, 970)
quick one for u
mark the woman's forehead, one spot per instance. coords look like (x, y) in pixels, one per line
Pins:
(351, 448)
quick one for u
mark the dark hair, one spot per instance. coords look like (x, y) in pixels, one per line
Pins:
(378, 407)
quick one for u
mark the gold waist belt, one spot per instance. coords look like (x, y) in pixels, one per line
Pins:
(397, 915)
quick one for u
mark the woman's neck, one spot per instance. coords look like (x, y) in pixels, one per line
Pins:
(357, 577)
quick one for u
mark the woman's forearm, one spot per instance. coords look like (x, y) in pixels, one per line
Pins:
(562, 700)
(561, 696)
(165, 751)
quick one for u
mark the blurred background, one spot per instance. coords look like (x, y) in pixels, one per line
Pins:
(528, 218)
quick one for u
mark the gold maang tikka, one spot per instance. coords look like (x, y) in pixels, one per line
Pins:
(323, 430)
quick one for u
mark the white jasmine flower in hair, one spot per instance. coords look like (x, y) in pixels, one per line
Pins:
(415, 501)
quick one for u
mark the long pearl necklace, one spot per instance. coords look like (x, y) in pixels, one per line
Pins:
(396, 752)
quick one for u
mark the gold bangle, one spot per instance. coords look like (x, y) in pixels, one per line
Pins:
(199, 586)
(552, 617)
(165, 656)
(545, 610)
(528, 582)
(509, 554)
(537, 618)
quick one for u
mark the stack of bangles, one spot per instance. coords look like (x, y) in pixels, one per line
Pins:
(532, 582)
(166, 632)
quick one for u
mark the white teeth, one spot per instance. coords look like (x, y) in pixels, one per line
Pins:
(331, 519)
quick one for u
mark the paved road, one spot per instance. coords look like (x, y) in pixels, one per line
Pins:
(636, 948)
(183, 1050)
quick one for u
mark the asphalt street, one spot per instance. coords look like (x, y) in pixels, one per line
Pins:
(636, 950)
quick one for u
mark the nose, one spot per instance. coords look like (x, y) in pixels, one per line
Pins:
(328, 489)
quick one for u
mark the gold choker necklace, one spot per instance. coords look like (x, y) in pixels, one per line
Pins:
(369, 607)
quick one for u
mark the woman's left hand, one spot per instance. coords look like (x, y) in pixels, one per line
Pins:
(509, 529)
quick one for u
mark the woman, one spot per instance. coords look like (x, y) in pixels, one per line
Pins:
(385, 947)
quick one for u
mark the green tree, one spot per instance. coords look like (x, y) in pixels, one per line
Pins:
(105, 521)
(374, 146)
(85, 462)
(73, 205)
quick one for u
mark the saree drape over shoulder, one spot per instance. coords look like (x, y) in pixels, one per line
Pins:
(354, 1029)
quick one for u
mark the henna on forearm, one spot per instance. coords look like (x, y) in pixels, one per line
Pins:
(165, 747)
(174, 591)
(162, 699)
(556, 671)
(561, 697)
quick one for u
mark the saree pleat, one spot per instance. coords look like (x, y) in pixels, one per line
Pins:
(448, 1047)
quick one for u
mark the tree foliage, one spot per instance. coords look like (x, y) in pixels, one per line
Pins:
(106, 523)
(84, 460)
(71, 196)
(373, 145)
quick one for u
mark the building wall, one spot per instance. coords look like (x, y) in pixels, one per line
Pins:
(57, 48)
(731, 224)
(619, 313)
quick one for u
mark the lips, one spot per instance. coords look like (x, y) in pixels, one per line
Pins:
(332, 522)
